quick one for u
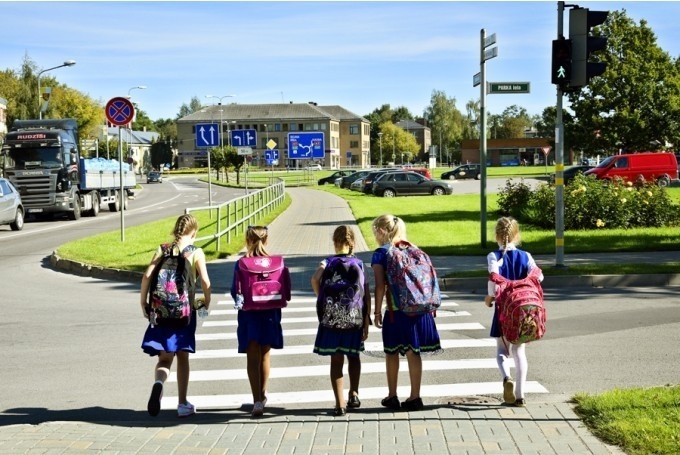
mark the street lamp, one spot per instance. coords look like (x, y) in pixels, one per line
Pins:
(380, 139)
(66, 63)
(138, 87)
(221, 127)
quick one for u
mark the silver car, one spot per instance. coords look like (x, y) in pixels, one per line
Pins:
(11, 208)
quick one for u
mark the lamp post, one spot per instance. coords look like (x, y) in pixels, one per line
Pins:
(220, 98)
(380, 140)
(66, 63)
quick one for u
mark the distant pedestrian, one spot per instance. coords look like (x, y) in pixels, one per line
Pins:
(343, 307)
(513, 264)
(170, 341)
(258, 331)
(402, 334)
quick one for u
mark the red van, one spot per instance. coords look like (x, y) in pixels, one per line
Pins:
(659, 167)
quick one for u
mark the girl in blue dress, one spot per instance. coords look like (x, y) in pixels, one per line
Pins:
(257, 331)
(513, 264)
(170, 342)
(339, 343)
(402, 334)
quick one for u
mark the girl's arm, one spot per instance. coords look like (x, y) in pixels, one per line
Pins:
(379, 277)
(316, 279)
(493, 267)
(205, 279)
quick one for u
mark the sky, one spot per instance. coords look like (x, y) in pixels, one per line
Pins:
(360, 55)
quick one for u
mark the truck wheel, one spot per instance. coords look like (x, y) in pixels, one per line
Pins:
(115, 206)
(663, 181)
(94, 211)
(75, 214)
(18, 223)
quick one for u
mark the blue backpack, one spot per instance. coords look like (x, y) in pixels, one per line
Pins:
(412, 279)
(340, 304)
(171, 290)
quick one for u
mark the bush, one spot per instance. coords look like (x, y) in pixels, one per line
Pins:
(590, 203)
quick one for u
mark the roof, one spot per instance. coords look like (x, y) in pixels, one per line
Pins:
(410, 125)
(265, 112)
(134, 137)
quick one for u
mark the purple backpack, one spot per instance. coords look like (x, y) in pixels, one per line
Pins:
(264, 282)
(412, 279)
(340, 304)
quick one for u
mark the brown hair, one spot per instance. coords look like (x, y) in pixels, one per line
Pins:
(343, 236)
(507, 231)
(184, 225)
(256, 240)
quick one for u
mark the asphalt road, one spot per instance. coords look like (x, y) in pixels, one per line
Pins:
(71, 344)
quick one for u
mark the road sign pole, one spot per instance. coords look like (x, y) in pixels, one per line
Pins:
(122, 190)
(559, 161)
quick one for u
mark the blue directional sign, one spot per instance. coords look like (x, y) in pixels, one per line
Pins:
(271, 157)
(306, 145)
(207, 135)
(243, 138)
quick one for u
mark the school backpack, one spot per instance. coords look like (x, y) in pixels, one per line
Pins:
(264, 282)
(340, 303)
(412, 279)
(171, 290)
(521, 311)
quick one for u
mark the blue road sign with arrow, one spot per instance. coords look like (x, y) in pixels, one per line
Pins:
(308, 145)
(207, 135)
(243, 138)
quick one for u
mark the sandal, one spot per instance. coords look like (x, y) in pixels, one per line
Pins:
(391, 402)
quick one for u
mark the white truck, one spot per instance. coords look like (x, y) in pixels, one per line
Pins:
(42, 159)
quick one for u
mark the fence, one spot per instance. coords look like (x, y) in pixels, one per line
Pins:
(238, 213)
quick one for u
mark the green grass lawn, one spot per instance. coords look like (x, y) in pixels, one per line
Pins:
(640, 421)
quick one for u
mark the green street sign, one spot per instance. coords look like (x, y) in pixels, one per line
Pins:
(507, 87)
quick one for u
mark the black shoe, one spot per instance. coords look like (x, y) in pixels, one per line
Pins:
(338, 411)
(520, 402)
(353, 402)
(391, 402)
(154, 404)
(412, 405)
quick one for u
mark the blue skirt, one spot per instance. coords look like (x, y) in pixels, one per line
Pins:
(262, 327)
(496, 324)
(168, 339)
(401, 333)
(332, 341)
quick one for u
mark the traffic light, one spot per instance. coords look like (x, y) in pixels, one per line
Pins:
(561, 62)
(581, 21)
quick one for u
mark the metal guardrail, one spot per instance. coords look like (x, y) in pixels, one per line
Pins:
(241, 212)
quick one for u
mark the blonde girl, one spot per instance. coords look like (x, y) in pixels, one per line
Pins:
(170, 342)
(513, 264)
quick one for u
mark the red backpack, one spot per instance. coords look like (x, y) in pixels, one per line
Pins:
(521, 310)
(264, 282)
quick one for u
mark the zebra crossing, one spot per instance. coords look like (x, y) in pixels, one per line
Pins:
(300, 377)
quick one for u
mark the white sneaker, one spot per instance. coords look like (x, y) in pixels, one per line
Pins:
(186, 409)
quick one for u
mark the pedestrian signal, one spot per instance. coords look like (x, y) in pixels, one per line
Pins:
(561, 62)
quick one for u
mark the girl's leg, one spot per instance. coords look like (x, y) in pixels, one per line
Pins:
(392, 369)
(354, 370)
(337, 362)
(265, 367)
(521, 368)
(254, 365)
(415, 373)
(163, 366)
(182, 375)
(502, 356)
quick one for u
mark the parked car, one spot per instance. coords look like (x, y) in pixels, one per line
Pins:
(407, 183)
(420, 170)
(154, 176)
(658, 167)
(357, 185)
(571, 172)
(348, 179)
(464, 171)
(11, 207)
(314, 167)
(335, 175)
(367, 182)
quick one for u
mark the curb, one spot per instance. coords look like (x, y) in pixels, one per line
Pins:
(93, 271)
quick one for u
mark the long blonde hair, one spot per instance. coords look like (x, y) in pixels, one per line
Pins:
(507, 231)
(389, 229)
(184, 225)
(256, 240)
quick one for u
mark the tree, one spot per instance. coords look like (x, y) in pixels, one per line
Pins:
(142, 121)
(446, 123)
(161, 153)
(511, 124)
(635, 104)
(193, 106)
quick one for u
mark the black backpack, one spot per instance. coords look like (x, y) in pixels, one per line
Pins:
(340, 304)
(171, 289)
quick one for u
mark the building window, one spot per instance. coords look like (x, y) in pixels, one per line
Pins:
(293, 127)
(354, 144)
(277, 127)
(354, 129)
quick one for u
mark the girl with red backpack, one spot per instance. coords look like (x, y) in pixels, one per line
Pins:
(511, 263)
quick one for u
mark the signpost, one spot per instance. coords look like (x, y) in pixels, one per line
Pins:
(207, 135)
(307, 145)
(244, 138)
(119, 111)
(546, 150)
(507, 87)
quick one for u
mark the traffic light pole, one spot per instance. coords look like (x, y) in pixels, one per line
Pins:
(559, 159)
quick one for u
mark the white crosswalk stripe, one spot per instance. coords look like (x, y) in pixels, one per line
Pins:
(298, 376)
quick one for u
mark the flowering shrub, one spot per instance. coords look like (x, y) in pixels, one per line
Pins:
(591, 204)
